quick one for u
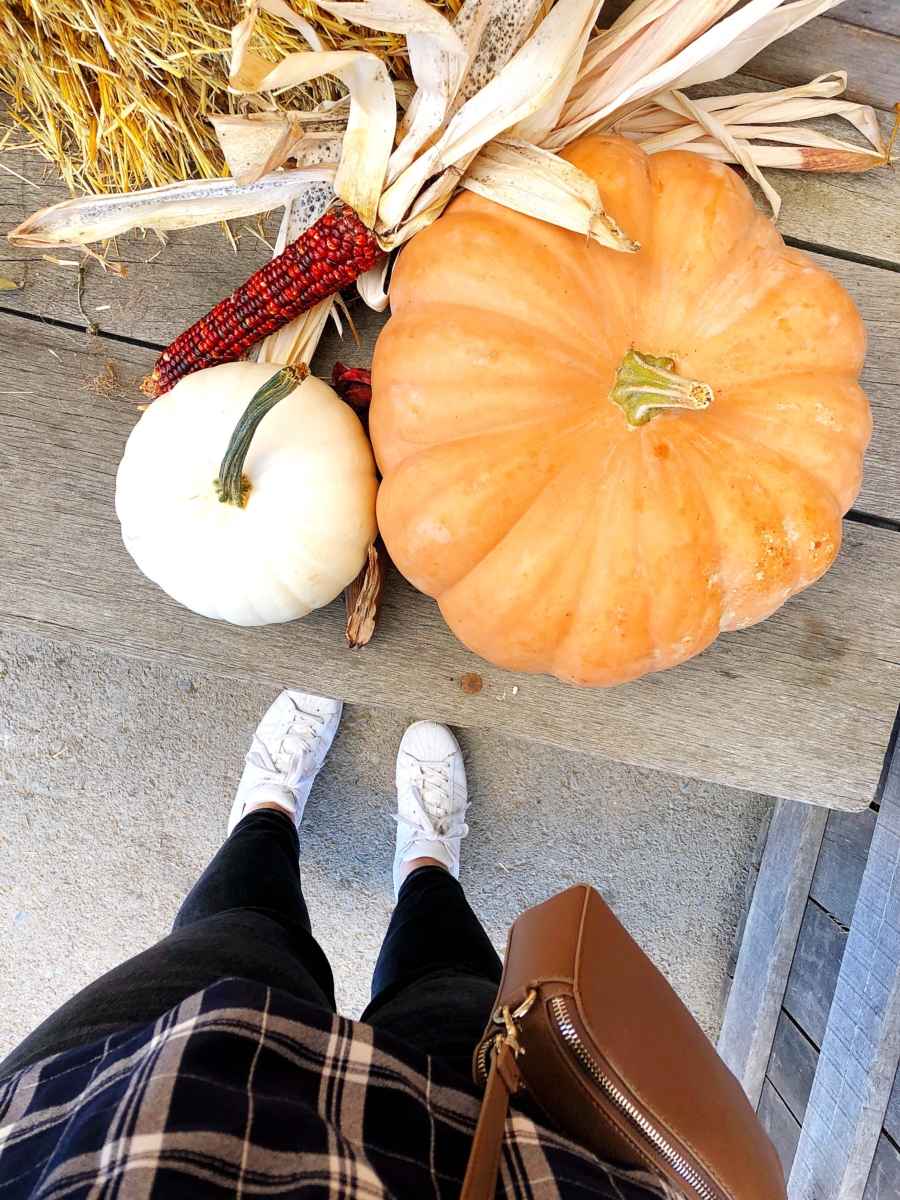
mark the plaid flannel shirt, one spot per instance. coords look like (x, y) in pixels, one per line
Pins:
(243, 1090)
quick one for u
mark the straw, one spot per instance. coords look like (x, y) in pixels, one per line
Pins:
(116, 95)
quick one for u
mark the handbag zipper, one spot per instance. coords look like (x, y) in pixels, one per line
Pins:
(619, 1101)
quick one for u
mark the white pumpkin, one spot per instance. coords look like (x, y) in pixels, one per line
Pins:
(306, 523)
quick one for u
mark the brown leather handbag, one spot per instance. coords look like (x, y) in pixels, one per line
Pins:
(589, 1036)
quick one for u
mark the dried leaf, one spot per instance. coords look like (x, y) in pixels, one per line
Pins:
(371, 286)
(371, 122)
(528, 82)
(617, 59)
(364, 597)
(436, 57)
(10, 285)
(739, 49)
(175, 206)
(491, 32)
(257, 143)
(719, 51)
(540, 184)
(665, 123)
(739, 150)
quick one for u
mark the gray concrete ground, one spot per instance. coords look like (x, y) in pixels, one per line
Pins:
(116, 778)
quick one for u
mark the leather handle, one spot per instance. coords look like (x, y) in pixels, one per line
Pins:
(480, 1182)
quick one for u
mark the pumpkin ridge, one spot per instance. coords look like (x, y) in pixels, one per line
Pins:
(790, 464)
(572, 337)
(656, 636)
(734, 595)
(586, 420)
(573, 465)
(753, 425)
(548, 482)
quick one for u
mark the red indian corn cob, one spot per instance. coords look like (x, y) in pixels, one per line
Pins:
(330, 255)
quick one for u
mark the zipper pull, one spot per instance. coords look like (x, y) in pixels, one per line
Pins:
(505, 1062)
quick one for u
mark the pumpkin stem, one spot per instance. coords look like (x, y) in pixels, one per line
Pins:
(232, 485)
(646, 385)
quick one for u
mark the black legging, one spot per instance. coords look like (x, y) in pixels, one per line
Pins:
(434, 983)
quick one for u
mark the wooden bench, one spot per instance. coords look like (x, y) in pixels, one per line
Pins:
(801, 706)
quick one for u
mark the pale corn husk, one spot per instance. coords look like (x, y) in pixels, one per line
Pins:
(666, 124)
(297, 341)
(175, 206)
(532, 181)
(371, 121)
(371, 286)
(721, 50)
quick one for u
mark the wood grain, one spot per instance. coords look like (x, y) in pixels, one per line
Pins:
(884, 1178)
(814, 971)
(792, 1066)
(883, 15)
(801, 705)
(780, 1124)
(770, 938)
(870, 58)
(842, 861)
(861, 1047)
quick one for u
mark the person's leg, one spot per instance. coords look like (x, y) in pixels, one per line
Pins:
(257, 867)
(245, 917)
(437, 974)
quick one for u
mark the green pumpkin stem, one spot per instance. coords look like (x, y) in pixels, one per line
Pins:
(645, 386)
(232, 485)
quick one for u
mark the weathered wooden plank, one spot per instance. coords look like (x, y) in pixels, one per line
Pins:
(861, 1047)
(749, 889)
(801, 705)
(842, 861)
(883, 15)
(884, 1178)
(780, 1124)
(877, 296)
(770, 938)
(792, 1066)
(892, 1113)
(814, 971)
(870, 58)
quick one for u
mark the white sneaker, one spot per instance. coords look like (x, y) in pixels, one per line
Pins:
(287, 750)
(431, 798)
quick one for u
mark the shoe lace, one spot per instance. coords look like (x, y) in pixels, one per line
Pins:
(431, 795)
(306, 727)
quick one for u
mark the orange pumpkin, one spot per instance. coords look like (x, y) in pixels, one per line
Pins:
(596, 461)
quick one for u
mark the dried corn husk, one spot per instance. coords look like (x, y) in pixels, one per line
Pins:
(670, 121)
(363, 598)
(369, 135)
(536, 182)
(175, 206)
